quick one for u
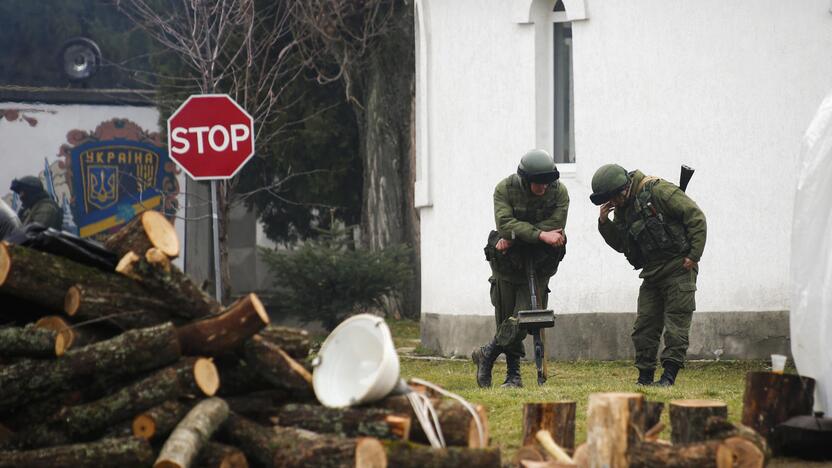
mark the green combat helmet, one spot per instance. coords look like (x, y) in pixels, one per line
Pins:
(538, 167)
(609, 180)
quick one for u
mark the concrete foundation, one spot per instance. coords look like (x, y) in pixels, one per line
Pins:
(606, 336)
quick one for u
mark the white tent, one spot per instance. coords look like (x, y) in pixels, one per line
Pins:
(811, 310)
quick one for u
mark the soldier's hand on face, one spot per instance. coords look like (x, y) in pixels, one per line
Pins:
(688, 264)
(605, 212)
(503, 245)
(554, 238)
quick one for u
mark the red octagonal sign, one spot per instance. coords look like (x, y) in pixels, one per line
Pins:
(210, 136)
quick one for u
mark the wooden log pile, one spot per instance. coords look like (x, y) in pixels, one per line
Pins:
(139, 367)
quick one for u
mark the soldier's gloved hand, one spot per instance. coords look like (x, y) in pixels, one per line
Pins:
(605, 212)
(554, 238)
(502, 245)
(688, 264)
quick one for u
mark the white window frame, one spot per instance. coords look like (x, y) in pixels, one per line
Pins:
(422, 187)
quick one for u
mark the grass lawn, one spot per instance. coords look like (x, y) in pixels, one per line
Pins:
(575, 380)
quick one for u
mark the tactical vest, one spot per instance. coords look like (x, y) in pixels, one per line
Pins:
(656, 237)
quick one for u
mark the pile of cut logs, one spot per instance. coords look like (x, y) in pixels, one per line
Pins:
(139, 367)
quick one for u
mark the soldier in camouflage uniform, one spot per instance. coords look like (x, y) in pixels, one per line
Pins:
(530, 209)
(38, 206)
(661, 231)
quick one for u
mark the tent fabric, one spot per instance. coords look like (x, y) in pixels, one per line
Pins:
(810, 319)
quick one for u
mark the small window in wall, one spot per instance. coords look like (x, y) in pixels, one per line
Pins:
(564, 130)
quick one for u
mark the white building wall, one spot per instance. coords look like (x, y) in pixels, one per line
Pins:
(725, 87)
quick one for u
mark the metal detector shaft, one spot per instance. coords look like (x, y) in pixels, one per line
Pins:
(538, 340)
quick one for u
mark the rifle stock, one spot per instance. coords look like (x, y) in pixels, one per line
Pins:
(684, 177)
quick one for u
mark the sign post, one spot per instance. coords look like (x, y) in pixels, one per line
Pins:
(211, 137)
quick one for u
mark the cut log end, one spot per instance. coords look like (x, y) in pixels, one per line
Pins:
(61, 345)
(72, 300)
(144, 427)
(166, 464)
(5, 263)
(156, 257)
(369, 453)
(258, 307)
(474, 433)
(745, 454)
(161, 233)
(698, 403)
(400, 425)
(59, 326)
(125, 265)
(206, 376)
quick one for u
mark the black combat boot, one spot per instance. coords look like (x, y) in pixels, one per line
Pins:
(513, 379)
(645, 376)
(484, 358)
(669, 375)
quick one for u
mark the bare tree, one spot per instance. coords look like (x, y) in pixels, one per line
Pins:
(369, 46)
(243, 48)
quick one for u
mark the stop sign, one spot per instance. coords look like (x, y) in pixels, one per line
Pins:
(210, 136)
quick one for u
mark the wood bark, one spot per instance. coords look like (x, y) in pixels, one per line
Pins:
(556, 417)
(166, 280)
(720, 428)
(240, 378)
(708, 454)
(260, 406)
(125, 304)
(130, 353)
(192, 434)
(295, 341)
(277, 367)
(146, 230)
(28, 341)
(688, 419)
(73, 336)
(225, 332)
(290, 447)
(770, 399)
(217, 455)
(652, 414)
(347, 422)
(409, 455)
(123, 453)
(458, 426)
(614, 421)
(158, 422)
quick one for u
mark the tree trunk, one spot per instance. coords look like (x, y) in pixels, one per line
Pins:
(347, 422)
(708, 454)
(688, 419)
(458, 426)
(289, 447)
(192, 434)
(409, 455)
(225, 332)
(295, 341)
(28, 341)
(614, 421)
(386, 143)
(147, 230)
(158, 422)
(556, 417)
(216, 455)
(770, 399)
(123, 453)
(276, 366)
(130, 353)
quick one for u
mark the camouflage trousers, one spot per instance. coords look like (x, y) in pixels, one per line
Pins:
(664, 305)
(508, 298)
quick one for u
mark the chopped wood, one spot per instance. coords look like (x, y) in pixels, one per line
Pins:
(277, 367)
(347, 422)
(720, 428)
(770, 399)
(295, 341)
(557, 417)
(240, 378)
(745, 453)
(149, 229)
(552, 448)
(123, 453)
(290, 447)
(652, 413)
(614, 424)
(710, 453)
(409, 455)
(528, 453)
(458, 426)
(158, 422)
(28, 341)
(688, 419)
(261, 406)
(217, 455)
(130, 353)
(225, 332)
(127, 305)
(192, 434)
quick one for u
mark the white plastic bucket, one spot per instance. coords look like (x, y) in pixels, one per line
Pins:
(356, 364)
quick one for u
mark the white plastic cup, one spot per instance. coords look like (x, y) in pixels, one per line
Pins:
(778, 363)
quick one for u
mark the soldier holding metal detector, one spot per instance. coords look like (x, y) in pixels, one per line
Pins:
(662, 232)
(530, 209)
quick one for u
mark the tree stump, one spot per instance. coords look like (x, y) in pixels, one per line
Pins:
(556, 417)
(688, 419)
(223, 333)
(124, 453)
(770, 399)
(347, 422)
(614, 421)
(409, 455)
(146, 230)
(159, 421)
(192, 434)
